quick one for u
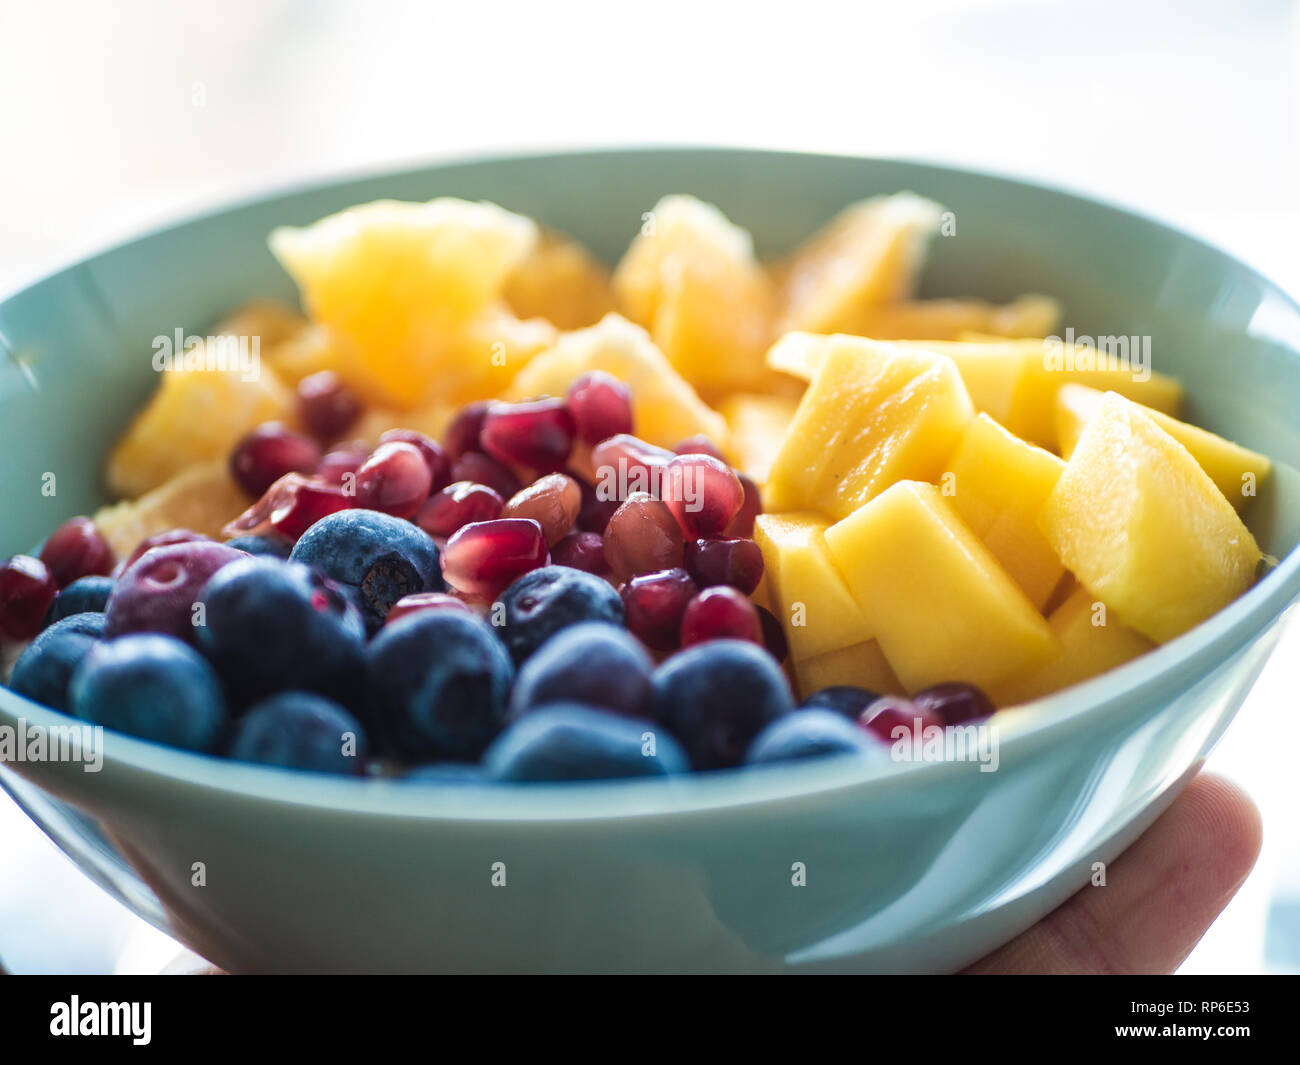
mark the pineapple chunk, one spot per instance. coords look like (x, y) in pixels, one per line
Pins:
(999, 485)
(874, 414)
(309, 350)
(933, 595)
(1235, 470)
(665, 409)
(1143, 527)
(758, 424)
(271, 322)
(202, 498)
(862, 665)
(1028, 316)
(807, 592)
(870, 253)
(561, 282)
(1091, 643)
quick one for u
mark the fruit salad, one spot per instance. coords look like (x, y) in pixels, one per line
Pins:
(486, 510)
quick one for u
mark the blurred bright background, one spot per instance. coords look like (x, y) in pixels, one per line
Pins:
(118, 115)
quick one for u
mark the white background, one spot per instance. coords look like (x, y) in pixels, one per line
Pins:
(118, 115)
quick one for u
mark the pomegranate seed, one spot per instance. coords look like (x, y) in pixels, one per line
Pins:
(655, 603)
(289, 508)
(538, 435)
(703, 494)
(890, 712)
(582, 550)
(595, 512)
(727, 560)
(484, 469)
(463, 433)
(743, 523)
(953, 702)
(552, 501)
(77, 549)
(340, 466)
(327, 407)
(642, 537)
(460, 503)
(434, 457)
(625, 464)
(700, 445)
(720, 613)
(394, 479)
(483, 559)
(773, 634)
(162, 539)
(601, 405)
(269, 452)
(421, 601)
(27, 588)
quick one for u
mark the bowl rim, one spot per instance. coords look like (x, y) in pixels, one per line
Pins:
(1163, 670)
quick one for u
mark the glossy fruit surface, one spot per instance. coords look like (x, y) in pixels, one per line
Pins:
(537, 434)
(601, 406)
(435, 456)
(27, 589)
(655, 604)
(460, 503)
(582, 550)
(413, 604)
(643, 537)
(326, 405)
(394, 480)
(732, 561)
(703, 493)
(553, 501)
(953, 703)
(478, 468)
(159, 591)
(720, 613)
(268, 453)
(76, 549)
(484, 558)
(290, 507)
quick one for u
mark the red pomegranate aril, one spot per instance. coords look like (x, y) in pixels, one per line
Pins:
(484, 558)
(743, 523)
(484, 469)
(720, 613)
(327, 406)
(394, 479)
(601, 406)
(162, 539)
(77, 549)
(434, 456)
(340, 465)
(27, 588)
(642, 536)
(462, 435)
(892, 712)
(421, 601)
(953, 702)
(582, 550)
(773, 634)
(626, 464)
(552, 501)
(460, 503)
(725, 560)
(269, 452)
(594, 514)
(538, 434)
(702, 493)
(700, 445)
(655, 603)
(289, 508)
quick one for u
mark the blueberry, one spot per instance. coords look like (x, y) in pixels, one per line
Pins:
(45, 667)
(438, 682)
(300, 730)
(151, 686)
(570, 741)
(541, 603)
(717, 696)
(591, 662)
(83, 596)
(843, 699)
(383, 557)
(272, 626)
(157, 592)
(809, 734)
(447, 773)
(272, 546)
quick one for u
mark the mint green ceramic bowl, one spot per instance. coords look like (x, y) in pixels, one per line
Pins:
(908, 866)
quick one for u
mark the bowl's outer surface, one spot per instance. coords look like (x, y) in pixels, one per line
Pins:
(907, 866)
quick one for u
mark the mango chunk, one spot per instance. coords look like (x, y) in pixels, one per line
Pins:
(948, 319)
(862, 665)
(807, 592)
(202, 498)
(933, 595)
(758, 423)
(875, 413)
(999, 484)
(1237, 471)
(1143, 527)
(1092, 642)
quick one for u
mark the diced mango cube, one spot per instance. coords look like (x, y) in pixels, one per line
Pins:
(1143, 527)
(947, 319)
(933, 595)
(758, 423)
(862, 665)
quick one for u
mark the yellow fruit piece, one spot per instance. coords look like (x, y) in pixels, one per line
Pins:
(690, 277)
(1143, 527)
(268, 320)
(758, 424)
(999, 484)
(862, 665)
(946, 319)
(1091, 643)
(874, 414)
(933, 595)
(431, 420)
(196, 414)
(561, 281)
(807, 592)
(482, 359)
(1235, 470)
(870, 253)
(309, 350)
(665, 409)
(202, 499)
(397, 283)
